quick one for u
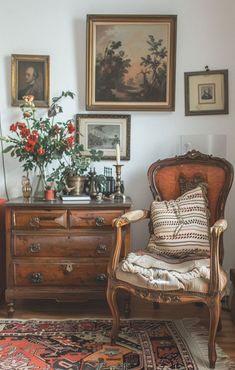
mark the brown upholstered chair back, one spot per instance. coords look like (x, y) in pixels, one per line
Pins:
(169, 178)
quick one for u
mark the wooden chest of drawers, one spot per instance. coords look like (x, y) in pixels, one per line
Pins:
(2, 247)
(56, 250)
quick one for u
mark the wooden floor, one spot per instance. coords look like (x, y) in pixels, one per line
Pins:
(139, 309)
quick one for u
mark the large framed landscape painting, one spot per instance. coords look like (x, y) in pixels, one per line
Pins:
(131, 62)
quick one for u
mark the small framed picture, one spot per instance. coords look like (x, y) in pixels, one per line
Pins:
(103, 132)
(30, 76)
(206, 92)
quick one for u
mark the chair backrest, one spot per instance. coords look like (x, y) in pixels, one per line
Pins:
(169, 178)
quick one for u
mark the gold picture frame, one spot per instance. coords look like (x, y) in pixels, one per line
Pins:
(206, 92)
(131, 62)
(30, 75)
(103, 132)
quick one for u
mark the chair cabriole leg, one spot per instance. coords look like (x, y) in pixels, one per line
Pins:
(112, 302)
(214, 309)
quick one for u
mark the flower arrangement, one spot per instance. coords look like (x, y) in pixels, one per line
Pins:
(37, 142)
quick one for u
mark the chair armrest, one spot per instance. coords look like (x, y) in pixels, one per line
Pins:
(130, 217)
(216, 230)
(126, 219)
(222, 223)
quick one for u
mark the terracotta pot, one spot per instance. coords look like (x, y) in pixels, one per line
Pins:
(49, 194)
(75, 184)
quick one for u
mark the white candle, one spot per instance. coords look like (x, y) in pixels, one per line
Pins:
(118, 153)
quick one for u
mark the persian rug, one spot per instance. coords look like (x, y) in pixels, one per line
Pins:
(84, 345)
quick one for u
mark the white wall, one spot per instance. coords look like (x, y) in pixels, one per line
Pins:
(205, 36)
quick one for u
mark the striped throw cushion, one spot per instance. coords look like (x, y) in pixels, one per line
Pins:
(181, 227)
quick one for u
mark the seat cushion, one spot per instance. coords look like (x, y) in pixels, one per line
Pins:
(142, 269)
(181, 226)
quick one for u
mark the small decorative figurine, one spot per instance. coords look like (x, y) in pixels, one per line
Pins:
(26, 188)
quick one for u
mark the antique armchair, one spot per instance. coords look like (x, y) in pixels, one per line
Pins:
(182, 262)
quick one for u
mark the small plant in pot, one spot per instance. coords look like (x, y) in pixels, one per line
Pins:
(50, 192)
(70, 176)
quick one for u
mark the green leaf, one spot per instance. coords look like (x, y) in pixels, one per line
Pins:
(8, 149)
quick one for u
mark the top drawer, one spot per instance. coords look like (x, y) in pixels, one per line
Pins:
(39, 219)
(94, 218)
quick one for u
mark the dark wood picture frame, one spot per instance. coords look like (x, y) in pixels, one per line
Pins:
(103, 132)
(131, 62)
(30, 75)
(206, 92)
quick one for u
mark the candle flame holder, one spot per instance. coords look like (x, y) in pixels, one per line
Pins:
(118, 195)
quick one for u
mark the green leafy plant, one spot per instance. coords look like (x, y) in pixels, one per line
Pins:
(73, 163)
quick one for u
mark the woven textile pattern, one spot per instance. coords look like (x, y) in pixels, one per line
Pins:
(85, 345)
(181, 227)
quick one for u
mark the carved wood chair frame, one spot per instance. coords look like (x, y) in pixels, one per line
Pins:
(213, 297)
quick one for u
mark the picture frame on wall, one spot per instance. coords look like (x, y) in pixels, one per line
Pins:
(206, 92)
(131, 62)
(30, 76)
(103, 132)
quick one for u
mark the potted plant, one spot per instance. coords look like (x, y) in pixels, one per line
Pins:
(71, 174)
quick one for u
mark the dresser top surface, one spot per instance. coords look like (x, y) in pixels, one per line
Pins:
(20, 202)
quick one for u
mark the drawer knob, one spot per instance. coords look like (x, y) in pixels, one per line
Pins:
(36, 277)
(101, 278)
(99, 221)
(34, 222)
(101, 249)
(68, 268)
(35, 247)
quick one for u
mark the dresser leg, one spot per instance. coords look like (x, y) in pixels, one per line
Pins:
(10, 309)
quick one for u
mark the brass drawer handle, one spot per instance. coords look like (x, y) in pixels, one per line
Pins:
(99, 221)
(68, 268)
(34, 222)
(101, 278)
(35, 247)
(101, 249)
(36, 278)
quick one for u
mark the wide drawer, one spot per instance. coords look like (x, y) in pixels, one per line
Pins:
(96, 244)
(86, 218)
(60, 274)
(39, 219)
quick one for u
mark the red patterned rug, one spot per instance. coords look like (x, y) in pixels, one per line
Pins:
(84, 345)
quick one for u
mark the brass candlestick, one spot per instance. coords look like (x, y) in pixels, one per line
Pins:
(118, 195)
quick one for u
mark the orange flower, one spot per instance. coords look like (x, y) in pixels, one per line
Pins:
(24, 132)
(27, 114)
(13, 127)
(21, 125)
(29, 147)
(29, 98)
(70, 140)
(71, 128)
(41, 151)
(32, 139)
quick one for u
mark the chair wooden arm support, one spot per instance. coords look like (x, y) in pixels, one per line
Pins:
(216, 230)
(222, 223)
(130, 217)
(119, 222)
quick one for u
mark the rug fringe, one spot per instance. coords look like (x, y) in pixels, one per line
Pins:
(191, 331)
